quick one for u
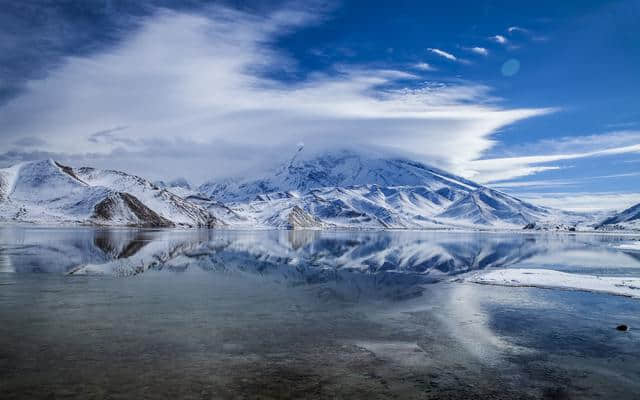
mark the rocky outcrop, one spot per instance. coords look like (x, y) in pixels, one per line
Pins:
(125, 209)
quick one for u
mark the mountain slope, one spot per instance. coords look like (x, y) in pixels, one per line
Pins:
(167, 204)
(48, 192)
(44, 192)
(338, 169)
(348, 189)
(627, 219)
(180, 187)
(489, 207)
(344, 189)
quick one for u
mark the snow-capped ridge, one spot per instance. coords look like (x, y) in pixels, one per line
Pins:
(47, 191)
(626, 219)
(486, 206)
(125, 209)
(335, 169)
(342, 189)
(349, 189)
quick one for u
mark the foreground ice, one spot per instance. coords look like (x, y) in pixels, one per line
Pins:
(546, 278)
(630, 246)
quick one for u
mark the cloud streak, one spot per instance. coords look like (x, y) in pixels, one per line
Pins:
(197, 96)
(478, 50)
(423, 66)
(499, 39)
(585, 202)
(444, 54)
(569, 148)
(513, 29)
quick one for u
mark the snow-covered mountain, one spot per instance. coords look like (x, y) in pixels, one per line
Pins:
(485, 206)
(340, 189)
(349, 189)
(627, 219)
(341, 168)
(179, 186)
(49, 192)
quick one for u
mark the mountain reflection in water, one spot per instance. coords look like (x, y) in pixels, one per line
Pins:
(308, 314)
(387, 264)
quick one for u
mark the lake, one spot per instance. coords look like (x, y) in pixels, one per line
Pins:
(205, 314)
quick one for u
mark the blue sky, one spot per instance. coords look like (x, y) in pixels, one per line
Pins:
(537, 99)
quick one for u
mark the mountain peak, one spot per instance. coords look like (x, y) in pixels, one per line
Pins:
(335, 168)
(47, 191)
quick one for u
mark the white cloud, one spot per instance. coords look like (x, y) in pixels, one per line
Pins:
(199, 84)
(500, 170)
(578, 144)
(499, 39)
(559, 182)
(444, 54)
(478, 50)
(586, 202)
(527, 32)
(423, 66)
(569, 148)
(513, 29)
(534, 184)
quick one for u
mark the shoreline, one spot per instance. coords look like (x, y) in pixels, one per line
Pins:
(557, 280)
(4, 224)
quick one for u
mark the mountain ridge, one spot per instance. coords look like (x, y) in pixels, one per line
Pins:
(625, 219)
(332, 190)
(341, 168)
(347, 188)
(48, 192)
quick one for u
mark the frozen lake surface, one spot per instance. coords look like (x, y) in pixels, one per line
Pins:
(96, 313)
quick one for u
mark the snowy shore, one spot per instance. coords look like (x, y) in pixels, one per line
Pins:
(550, 279)
(633, 246)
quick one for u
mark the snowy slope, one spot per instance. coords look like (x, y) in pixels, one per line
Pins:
(627, 219)
(343, 189)
(179, 186)
(352, 190)
(167, 204)
(375, 207)
(43, 192)
(550, 279)
(490, 207)
(338, 169)
(51, 193)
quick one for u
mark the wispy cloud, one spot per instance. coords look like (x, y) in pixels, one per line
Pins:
(30, 141)
(499, 39)
(622, 125)
(444, 54)
(514, 29)
(543, 183)
(575, 144)
(478, 50)
(526, 32)
(423, 66)
(546, 183)
(569, 148)
(187, 82)
(584, 202)
(109, 136)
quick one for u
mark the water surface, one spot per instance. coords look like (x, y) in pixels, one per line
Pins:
(95, 313)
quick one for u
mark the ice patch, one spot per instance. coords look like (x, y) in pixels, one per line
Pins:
(630, 246)
(550, 279)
